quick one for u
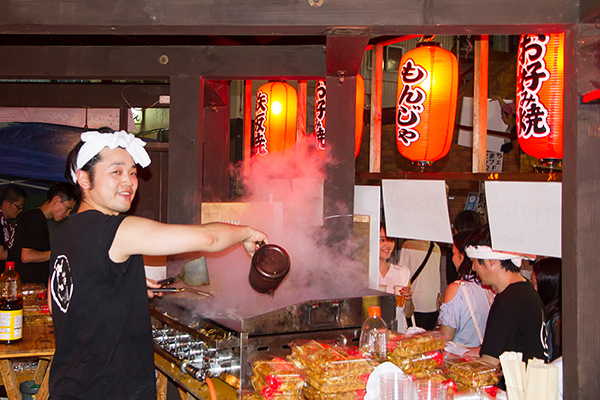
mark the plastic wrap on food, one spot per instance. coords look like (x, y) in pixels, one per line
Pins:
(32, 291)
(36, 312)
(472, 373)
(277, 374)
(428, 360)
(311, 393)
(326, 361)
(338, 383)
(407, 345)
(267, 392)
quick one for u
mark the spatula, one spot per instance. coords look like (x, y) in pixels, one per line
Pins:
(194, 273)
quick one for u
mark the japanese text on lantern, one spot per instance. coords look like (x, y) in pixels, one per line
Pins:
(321, 99)
(534, 115)
(410, 102)
(260, 120)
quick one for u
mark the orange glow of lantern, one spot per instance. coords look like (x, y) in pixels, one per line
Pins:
(426, 103)
(274, 118)
(320, 105)
(540, 86)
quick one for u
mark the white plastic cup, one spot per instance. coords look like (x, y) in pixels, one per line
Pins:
(395, 386)
(429, 390)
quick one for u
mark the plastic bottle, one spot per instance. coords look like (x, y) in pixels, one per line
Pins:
(11, 305)
(373, 337)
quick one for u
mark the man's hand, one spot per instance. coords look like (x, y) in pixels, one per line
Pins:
(253, 242)
(152, 284)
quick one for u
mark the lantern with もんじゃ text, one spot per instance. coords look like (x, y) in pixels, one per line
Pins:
(274, 118)
(426, 103)
(540, 87)
(320, 114)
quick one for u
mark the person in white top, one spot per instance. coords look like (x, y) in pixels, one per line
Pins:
(395, 279)
(426, 287)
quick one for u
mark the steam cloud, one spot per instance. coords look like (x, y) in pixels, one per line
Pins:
(290, 186)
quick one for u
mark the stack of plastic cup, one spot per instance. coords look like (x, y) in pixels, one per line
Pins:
(395, 386)
(429, 390)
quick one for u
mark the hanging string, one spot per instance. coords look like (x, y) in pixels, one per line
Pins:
(85, 127)
(470, 48)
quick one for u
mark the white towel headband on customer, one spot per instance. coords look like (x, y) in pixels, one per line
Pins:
(486, 253)
(94, 142)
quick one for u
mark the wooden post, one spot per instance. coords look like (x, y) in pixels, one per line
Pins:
(247, 121)
(186, 135)
(216, 144)
(376, 104)
(480, 95)
(301, 114)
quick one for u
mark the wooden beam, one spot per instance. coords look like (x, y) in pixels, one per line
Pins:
(74, 95)
(345, 53)
(216, 93)
(186, 148)
(301, 113)
(160, 62)
(480, 91)
(344, 56)
(463, 176)
(580, 219)
(376, 104)
(282, 17)
(216, 148)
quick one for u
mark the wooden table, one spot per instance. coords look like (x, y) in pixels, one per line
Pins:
(38, 341)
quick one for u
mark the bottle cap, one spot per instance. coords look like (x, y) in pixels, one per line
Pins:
(374, 311)
(10, 265)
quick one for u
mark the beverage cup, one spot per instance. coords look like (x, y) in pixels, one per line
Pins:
(400, 300)
(395, 386)
(429, 390)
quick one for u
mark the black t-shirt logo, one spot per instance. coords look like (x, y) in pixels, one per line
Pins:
(61, 283)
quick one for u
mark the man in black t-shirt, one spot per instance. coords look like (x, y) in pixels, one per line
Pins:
(97, 288)
(516, 318)
(12, 201)
(31, 247)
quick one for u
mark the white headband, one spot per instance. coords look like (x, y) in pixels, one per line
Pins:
(486, 253)
(94, 142)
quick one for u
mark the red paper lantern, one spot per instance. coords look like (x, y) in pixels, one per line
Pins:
(426, 103)
(540, 86)
(320, 105)
(275, 118)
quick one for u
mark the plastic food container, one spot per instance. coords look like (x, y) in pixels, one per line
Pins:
(267, 392)
(472, 373)
(325, 361)
(311, 393)
(408, 345)
(337, 384)
(428, 360)
(276, 374)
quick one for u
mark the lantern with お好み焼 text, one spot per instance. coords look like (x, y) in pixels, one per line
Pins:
(540, 88)
(320, 114)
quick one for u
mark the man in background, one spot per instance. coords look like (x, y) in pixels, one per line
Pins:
(31, 247)
(12, 201)
(423, 259)
(516, 318)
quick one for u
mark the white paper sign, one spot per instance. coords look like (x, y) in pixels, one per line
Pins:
(367, 201)
(525, 217)
(417, 209)
(494, 123)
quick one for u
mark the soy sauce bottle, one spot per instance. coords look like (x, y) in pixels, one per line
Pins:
(11, 305)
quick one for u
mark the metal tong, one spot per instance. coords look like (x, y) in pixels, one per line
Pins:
(174, 290)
